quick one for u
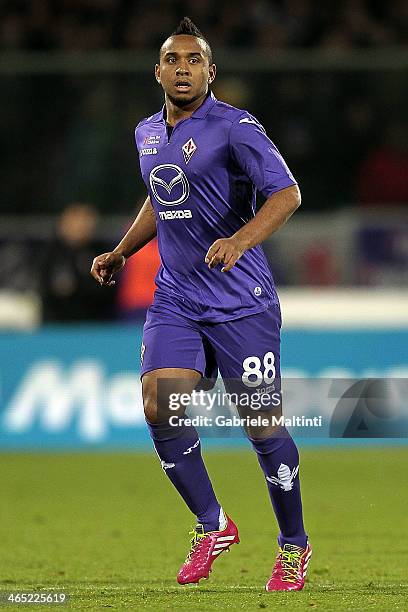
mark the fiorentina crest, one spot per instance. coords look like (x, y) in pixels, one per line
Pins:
(188, 149)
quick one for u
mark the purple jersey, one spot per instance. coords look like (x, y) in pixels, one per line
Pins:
(202, 184)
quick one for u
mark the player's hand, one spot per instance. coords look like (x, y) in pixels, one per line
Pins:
(105, 266)
(226, 251)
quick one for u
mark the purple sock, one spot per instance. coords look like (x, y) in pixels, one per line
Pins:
(180, 455)
(279, 460)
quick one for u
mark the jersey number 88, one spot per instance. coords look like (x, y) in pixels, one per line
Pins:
(253, 376)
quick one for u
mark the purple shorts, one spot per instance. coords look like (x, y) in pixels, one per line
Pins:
(246, 351)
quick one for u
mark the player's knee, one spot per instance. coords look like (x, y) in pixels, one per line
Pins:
(150, 411)
(259, 432)
(156, 400)
(261, 425)
(150, 400)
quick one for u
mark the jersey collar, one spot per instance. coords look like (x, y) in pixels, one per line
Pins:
(201, 112)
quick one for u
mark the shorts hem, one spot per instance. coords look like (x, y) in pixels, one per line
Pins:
(168, 367)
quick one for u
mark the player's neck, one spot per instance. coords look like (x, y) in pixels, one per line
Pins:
(175, 113)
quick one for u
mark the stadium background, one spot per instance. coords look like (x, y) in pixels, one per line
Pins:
(329, 83)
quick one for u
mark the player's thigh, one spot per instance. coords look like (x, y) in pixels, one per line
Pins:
(173, 360)
(248, 349)
(248, 357)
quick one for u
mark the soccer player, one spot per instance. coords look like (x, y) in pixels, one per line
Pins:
(215, 306)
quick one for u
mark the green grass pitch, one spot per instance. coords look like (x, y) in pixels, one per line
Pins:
(110, 530)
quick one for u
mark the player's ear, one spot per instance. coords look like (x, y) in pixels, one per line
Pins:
(212, 71)
(157, 73)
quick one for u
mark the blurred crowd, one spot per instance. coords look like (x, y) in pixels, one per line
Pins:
(81, 25)
(73, 134)
(56, 268)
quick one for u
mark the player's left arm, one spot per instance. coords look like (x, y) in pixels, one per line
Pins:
(261, 161)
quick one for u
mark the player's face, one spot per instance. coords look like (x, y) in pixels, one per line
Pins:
(184, 71)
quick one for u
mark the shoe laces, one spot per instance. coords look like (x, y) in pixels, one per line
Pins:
(197, 535)
(290, 557)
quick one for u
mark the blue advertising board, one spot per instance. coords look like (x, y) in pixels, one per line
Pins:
(78, 387)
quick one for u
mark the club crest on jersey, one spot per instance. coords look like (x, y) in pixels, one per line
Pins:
(189, 148)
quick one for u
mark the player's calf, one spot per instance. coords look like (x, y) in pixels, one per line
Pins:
(278, 458)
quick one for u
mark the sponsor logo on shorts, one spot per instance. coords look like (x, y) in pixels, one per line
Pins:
(258, 291)
(142, 352)
(167, 215)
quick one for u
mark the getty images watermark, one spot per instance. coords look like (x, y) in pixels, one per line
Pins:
(266, 399)
(222, 420)
(310, 407)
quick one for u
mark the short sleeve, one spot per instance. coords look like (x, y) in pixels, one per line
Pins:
(137, 136)
(258, 157)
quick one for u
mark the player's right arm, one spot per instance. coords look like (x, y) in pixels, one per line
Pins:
(143, 229)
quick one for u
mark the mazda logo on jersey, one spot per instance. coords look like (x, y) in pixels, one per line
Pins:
(169, 184)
